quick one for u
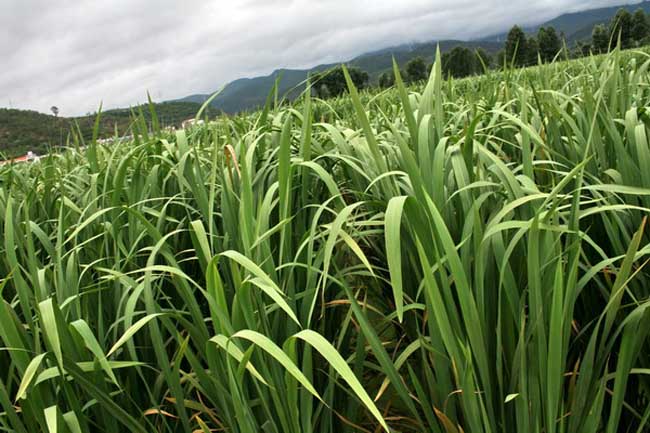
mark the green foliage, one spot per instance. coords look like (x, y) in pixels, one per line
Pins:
(460, 62)
(620, 27)
(464, 255)
(521, 50)
(640, 25)
(532, 51)
(633, 30)
(416, 70)
(484, 59)
(332, 83)
(600, 39)
(22, 130)
(516, 47)
(549, 43)
(582, 49)
(386, 80)
(578, 26)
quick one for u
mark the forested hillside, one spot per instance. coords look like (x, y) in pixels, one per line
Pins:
(24, 130)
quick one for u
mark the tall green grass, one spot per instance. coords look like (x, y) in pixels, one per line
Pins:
(469, 256)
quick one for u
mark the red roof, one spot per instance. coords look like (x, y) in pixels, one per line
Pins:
(24, 158)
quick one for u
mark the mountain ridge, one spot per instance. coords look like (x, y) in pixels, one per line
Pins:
(578, 25)
(250, 93)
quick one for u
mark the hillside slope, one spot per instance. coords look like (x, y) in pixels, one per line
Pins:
(24, 130)
(250, 93)
(578, 25)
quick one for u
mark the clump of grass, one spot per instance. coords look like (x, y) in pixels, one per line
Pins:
(467, 256)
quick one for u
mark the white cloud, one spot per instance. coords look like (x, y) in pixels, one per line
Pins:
(75, 54)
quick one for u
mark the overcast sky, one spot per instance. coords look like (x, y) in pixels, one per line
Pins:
(76, 53)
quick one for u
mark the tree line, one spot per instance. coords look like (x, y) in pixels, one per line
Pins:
(631, 29)
(459, 62)
(520, 49)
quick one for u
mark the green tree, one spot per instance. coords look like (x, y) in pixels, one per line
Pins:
(516, 49)
(459, 62)
(386, 80)
(532, 51)
(483, 60)
(500, 60)
(621, 26)
(359, 78)
(416, 70)
(549, 43)
(322, 91)
(640, 26)
(582, 49)
(332, 82)
(600, 39)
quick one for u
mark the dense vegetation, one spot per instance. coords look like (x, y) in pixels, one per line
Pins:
(332, 83)
(467, 256)
(22, 130)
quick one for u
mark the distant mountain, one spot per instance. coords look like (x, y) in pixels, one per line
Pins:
(382, 60)
(577, 26)
(250, 93)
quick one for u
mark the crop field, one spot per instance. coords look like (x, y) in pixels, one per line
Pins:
(457, 256)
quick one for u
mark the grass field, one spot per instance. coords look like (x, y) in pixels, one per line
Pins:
(468, 256)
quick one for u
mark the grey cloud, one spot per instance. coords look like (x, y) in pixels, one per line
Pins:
(77, 53)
